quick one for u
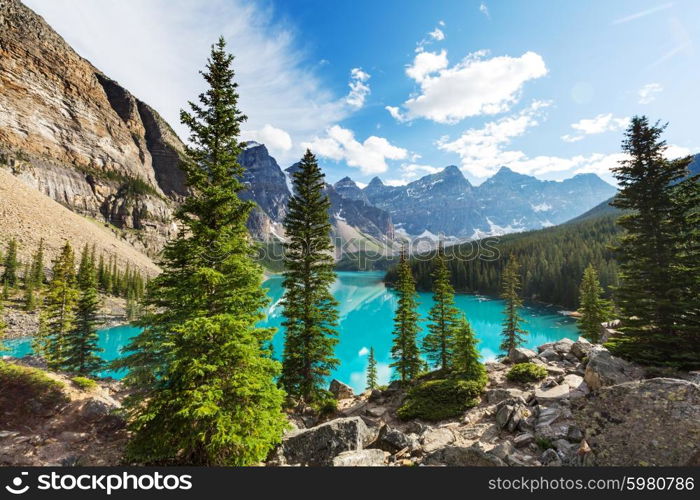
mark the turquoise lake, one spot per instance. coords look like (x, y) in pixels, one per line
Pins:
(366, 320)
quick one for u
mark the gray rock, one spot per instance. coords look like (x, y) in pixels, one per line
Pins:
(503, 415)
(99, 407)
(563, 346)
(376, 411)
(523, 439)
(393, 440)
(73, 437)
(521, 355)
(550, 458)
(574, 434)
(555, 393)
(603, 369)
(460, 456)
(499, 394)
(647, 422)
(543, 347)
(503, 450)
(360, 458)
(581, 348)
(434, 439)
(340, 390)
(549, 355)
(319, 445)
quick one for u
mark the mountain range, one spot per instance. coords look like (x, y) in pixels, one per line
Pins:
(78, 137)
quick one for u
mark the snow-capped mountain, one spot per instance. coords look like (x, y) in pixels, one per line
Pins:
(446, 203)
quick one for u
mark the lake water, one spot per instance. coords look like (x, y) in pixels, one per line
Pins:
(366, 320)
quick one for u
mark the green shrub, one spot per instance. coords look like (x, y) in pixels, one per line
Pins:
(544, 443)
(527, 372)
(440, 399)
(84, 383)
(326, 404)
(22, 385)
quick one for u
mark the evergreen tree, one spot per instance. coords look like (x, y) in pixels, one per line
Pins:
(593, 308)
(443, 316)
(510, 292)
(29, 296)
(5, 289)
(653, 292)
(203, 380)
(80, 346)
(59, 308)
(465, 355)
(38, 276)
(371, 370)
(11, 264)
(309, 308)
(404, 350)
(101, 273)
(3, 325)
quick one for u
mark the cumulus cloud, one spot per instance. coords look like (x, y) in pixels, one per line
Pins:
(437, 35)
(363, 352)
(410, 172)
(474, 86)
(370, 156)
(483, 151)
(359, 88)
(276, 139)
(648, 92)
(426, 63)
(597, 125)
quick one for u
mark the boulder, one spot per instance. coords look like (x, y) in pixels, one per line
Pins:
(603, 369)
(340, 390)
(552, 394)
(460, 456)
(581, 347)
(434, 439)
(99, 407)
(359, 458)
(499, 394)
(647, 422)
(319, 445)
(521, 355)
(549, 354)
(563, 346)
(543, 347)
(393, 440)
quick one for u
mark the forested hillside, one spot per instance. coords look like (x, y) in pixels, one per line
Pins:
(552, 261)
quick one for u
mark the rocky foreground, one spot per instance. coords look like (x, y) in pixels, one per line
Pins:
(591, 409)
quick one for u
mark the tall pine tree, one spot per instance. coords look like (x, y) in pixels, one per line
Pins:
(513, 334)
(205, 390)
(11, 264)
(310, 311)
(653, 293)
(38, 276)
(443, 316)
(371, 370)
(593, 307)
(80, 350)
(404, 349)
(58, 313)
(465, 354)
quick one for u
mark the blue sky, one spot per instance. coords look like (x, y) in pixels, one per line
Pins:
(401, 89)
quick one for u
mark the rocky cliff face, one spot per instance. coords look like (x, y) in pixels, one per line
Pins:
(79, 137)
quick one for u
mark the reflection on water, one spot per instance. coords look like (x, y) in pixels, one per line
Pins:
(366, 309)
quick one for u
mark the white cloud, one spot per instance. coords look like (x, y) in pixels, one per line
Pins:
(359, 88)
(369, 156)
(411, 172)
(483, 8)
(276, 139)
(437, 34)
(648, 92)
(363, 352)
(426, 63)
(597, 125)
(482, 151)
(277, 83)
(474, 86)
